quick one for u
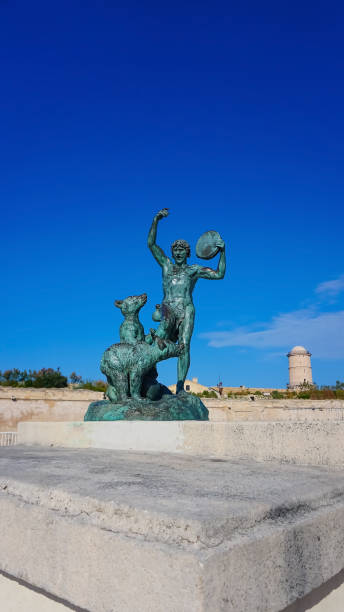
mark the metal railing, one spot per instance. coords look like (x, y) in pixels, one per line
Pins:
(8, 438)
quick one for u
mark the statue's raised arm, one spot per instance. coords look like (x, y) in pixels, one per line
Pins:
(219, 273)
(157, 252)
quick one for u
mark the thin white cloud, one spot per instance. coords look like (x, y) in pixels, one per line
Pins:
(331, 288)
(321, 333)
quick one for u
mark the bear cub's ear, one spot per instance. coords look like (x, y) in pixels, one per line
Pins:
(118, 303)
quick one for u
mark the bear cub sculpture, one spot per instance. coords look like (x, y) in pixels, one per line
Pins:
(131, 330)
(128, 363)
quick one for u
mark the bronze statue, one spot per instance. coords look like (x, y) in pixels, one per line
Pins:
(179, 279)
(133, 391)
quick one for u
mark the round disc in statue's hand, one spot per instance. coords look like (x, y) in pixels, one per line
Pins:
(206, 245)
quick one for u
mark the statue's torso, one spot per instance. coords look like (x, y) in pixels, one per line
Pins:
(178, 283)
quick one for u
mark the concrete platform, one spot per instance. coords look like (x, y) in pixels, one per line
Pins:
(305, 443)
(121, 531)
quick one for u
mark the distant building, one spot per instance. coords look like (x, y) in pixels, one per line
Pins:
(243, 389)
(300, 368)
(192, 386)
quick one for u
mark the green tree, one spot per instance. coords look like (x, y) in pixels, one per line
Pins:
(75, 379)
(48, 377)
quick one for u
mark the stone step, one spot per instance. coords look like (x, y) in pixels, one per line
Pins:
(306, 443)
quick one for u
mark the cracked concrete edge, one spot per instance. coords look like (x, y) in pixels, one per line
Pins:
(270, 569)
(94, 568)
(111, 516)
(265, 568)
(156, 526)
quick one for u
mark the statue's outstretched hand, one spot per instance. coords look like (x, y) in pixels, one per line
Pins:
(162, 213)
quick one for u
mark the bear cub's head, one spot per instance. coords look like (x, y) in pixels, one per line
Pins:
(131, 304)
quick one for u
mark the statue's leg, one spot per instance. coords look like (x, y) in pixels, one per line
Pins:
(162, 330)
(135, 383)
(168, 323)
(185, 333)
(183, 368)
(121, 384)
(150, 387)
(111, 393)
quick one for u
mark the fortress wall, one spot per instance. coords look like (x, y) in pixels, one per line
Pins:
(18, 404)
(275, 410)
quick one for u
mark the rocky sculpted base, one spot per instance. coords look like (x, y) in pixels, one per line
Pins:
(181, 407)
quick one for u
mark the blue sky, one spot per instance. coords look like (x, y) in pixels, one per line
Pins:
(231, 116)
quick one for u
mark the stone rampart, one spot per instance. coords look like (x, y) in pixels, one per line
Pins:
(20, 404)
(275, 410)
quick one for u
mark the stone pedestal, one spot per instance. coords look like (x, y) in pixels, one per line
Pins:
(306, 443)
(122, 531)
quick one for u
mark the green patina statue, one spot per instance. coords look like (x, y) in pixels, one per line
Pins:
(127, 363)
(179, 279)
(134, 392)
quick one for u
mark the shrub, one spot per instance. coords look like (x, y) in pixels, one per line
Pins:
(208, 394)
(304, 395)
(94, 385)
(277, 394)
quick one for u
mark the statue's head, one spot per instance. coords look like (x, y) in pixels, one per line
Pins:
(180, 251)
(131, 304)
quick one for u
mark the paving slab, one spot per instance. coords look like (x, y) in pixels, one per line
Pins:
(120, 531)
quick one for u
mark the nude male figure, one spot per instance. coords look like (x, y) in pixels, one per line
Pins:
(179, 280)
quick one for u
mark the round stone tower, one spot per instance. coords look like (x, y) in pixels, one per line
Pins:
(300, 369)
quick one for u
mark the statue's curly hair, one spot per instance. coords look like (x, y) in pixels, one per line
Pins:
(183, 244)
